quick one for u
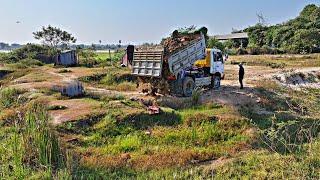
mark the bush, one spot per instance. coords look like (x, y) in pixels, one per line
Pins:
(31, 62)
(109, 79)
(214, 43)
(64, 71)
(9, 97)
(242, 51)
(29, 51)
(232, 51)
(254, 50)
(87, 58)
(4, 57)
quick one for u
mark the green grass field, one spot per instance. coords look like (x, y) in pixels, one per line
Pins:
(194, 141)
(278, 61)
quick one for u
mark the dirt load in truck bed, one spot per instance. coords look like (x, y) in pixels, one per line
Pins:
(181, 38)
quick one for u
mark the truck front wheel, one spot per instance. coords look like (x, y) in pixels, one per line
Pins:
(216, 82)
(188, 86)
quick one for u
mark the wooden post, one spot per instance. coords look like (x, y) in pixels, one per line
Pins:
(110, 57)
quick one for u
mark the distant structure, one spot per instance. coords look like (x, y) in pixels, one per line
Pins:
(66, 58)
(233, 36)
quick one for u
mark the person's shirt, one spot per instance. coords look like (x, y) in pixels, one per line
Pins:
(241, 71)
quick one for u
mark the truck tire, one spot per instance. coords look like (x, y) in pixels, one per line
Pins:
(188, 86)
(176, 87)
(216, 82)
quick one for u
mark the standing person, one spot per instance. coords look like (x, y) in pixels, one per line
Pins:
(241, 75)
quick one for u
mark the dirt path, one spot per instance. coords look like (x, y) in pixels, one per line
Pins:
(231, 94)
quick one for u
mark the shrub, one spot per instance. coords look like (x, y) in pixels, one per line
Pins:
(87, 58)
(29, 51)
(125, 86)
(109, 79)
(232, 51)
(254, 50)
(242, 51)
(196, 96)
(10, 97)
(31, 62)
(4, 57)
(64, 71)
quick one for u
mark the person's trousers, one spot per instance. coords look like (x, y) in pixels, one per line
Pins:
(241, 83)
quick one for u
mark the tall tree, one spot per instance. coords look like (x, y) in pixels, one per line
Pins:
(54, 37)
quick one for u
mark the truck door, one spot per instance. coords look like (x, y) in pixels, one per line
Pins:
(217, 64)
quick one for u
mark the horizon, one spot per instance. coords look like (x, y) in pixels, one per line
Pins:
(112, 21)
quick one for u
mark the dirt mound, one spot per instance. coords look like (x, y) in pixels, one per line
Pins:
(299, 78)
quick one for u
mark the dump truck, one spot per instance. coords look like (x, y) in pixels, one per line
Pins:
(180, 72)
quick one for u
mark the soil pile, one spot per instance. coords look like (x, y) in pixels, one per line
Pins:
(299, 79)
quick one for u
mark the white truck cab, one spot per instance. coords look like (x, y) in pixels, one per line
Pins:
(217, 62)
(217, 66)
(214, 62)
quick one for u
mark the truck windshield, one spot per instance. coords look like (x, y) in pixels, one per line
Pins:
(218, 57)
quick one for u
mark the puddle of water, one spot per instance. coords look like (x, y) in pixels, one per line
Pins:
(4, 73)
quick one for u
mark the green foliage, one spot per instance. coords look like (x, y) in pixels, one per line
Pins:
(29, 51)
(10, 97)
(65, 71)
(155, 142)
(308, 11)
(118, 56)
(299, 35)
(32, 149)
(4, 57)
(31, 62)
(214, 43)
(304, 40)
(40, 143)
(266, 165)
(116, 79)
(87, 57)
(257, 35)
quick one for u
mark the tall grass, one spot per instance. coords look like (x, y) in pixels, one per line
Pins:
(39, 141)
(34, 147)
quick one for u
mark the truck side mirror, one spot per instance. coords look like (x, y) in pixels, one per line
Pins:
(225, 58)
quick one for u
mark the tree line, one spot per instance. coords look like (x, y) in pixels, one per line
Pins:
(298, 35)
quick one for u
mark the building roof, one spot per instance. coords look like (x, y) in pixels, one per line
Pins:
(67, 51)
(232, 36)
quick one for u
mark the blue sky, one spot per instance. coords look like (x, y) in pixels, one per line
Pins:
(137, 21)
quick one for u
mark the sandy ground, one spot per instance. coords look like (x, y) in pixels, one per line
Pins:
(75, 109)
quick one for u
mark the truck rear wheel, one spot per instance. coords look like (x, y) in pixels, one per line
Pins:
(188, 86)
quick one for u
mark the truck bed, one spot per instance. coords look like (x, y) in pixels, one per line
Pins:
(187, 56)
(149, 63)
